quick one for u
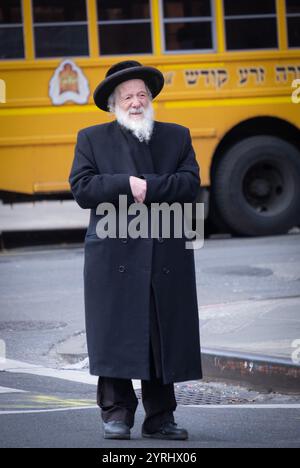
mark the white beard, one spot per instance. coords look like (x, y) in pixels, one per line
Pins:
(142, 128)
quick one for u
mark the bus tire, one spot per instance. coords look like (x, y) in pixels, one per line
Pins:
(257, 186)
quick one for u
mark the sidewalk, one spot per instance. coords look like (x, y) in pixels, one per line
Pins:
(249, 342)
(253, 342)
(42, 215)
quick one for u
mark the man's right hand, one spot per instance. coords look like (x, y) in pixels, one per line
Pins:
(138, 188)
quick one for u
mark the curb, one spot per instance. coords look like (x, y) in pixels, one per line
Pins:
(262, 373)
(258, 372)
(41, 238)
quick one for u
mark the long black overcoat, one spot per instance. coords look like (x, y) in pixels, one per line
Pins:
(118, 272)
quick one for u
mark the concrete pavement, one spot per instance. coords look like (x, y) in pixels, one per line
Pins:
(42, 215)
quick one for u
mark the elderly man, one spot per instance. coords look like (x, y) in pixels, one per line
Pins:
(140, 293)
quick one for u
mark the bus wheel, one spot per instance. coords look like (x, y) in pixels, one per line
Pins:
(257, 186)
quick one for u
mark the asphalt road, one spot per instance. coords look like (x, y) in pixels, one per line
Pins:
(55, 413)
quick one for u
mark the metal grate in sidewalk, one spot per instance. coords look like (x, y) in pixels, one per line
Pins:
(192, 395)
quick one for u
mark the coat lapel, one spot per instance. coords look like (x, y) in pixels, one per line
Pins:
(120, 152)
(133, 155)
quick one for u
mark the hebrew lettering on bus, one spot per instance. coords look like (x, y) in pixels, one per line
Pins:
(287, 73)
(169, 78)
(213, 77)
(2, 91)
(245, 74)
(296, 93)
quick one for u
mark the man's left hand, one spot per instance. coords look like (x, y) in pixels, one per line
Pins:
(138, 188)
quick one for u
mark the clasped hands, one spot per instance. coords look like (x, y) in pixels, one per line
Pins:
(138, 188)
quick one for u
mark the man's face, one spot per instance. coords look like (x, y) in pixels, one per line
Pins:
(132, 98)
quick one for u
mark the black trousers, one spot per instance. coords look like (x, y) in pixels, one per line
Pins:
(117, 399)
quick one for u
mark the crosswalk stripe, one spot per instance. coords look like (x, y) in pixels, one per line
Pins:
(10, 390)
(199, 407)
(53, 410)
(9, 365)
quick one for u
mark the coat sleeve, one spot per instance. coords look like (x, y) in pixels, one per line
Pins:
(181, 186)
(88, 186)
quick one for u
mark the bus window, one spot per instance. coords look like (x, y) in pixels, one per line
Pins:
(60, 28)
(124, 27)
(293, 22)
(250, 24)
(11, 30)
(188, 25)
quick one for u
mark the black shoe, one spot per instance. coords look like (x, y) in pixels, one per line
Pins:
(116, 430)
(167, 430)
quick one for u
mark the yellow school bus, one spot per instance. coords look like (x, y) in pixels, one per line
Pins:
(232, 71)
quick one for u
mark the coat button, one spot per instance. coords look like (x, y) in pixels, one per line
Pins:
(124, 241)
(166, 270)
(121, 268)
(160, 240)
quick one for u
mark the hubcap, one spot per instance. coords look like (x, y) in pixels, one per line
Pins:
(264, 187)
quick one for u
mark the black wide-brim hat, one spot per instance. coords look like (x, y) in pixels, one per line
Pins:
(123, 71)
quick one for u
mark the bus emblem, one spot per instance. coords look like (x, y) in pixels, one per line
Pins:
(69, 84)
